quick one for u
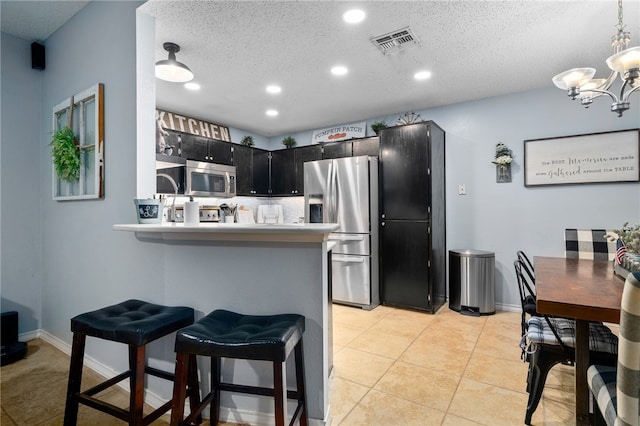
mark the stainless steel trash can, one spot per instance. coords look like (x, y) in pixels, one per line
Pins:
(472, 282)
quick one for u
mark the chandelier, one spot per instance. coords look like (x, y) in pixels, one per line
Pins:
(624, 62)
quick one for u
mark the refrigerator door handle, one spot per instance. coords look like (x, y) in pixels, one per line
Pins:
(328, 196)
(347, 259)
(336, 196)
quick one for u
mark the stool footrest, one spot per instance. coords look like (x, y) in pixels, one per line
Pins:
(254, 390)
(103, 406)
(106, 384)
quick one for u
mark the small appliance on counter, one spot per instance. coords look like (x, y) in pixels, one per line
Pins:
(207, 214)
(270, 213)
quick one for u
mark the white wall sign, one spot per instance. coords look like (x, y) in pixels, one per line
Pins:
(593, 158)
(340, 133)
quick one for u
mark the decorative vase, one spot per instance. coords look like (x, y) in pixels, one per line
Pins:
(149, 210)
(503, 173)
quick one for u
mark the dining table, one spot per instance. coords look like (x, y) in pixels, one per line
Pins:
(585, 290)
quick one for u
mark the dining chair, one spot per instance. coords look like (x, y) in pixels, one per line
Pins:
(548, 341)
(588, 244)
(526, 262)
(616, 391)
(526, 287)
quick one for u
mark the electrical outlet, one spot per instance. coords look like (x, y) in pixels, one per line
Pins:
(462, 189)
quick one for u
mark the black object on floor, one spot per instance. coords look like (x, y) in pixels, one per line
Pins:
(12, 349)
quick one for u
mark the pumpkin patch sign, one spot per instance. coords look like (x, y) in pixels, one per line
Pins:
(340, 133)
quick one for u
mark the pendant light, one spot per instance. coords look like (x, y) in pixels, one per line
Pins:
(172, 70)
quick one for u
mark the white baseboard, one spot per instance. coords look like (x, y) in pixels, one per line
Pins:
(226, 414)
(508, 308)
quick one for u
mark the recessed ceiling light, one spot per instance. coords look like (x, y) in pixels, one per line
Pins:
(353, 16)
(422, 75)
(192, 86)
(339, 70)
(274, 89)
(272, 112)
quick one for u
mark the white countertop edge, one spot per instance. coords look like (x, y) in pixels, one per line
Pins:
(283, 232)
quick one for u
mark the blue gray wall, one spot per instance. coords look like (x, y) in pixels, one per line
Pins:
(62, 258)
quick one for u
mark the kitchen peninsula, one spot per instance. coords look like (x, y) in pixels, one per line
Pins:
(253, 269)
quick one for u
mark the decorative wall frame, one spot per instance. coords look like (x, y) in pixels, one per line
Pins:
(590, 158)
(88, 126)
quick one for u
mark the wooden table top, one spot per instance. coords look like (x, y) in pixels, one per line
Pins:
(578, 288)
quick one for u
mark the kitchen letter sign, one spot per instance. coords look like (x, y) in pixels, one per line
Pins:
(340, 133)
(592, 158)
(193, 126)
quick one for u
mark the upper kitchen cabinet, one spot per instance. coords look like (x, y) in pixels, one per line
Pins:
(261, 173)
(287, 169)
(366, 146)
(199, 148)
(336, 150)
(252, 170)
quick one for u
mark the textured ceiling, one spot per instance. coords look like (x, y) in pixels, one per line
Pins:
(474, 49)
(36, 20)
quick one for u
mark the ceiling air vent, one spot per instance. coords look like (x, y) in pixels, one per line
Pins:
(396, 41)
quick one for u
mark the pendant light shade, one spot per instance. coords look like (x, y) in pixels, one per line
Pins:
(172, 70)
(575, 77)
(625, 61)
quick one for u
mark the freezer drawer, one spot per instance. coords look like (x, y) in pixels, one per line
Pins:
(351, 243)
(351, 279)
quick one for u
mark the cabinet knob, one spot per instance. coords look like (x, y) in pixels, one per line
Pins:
(381, 223)
(383, 216)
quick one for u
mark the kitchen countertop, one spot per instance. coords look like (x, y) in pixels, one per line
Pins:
(280, 232)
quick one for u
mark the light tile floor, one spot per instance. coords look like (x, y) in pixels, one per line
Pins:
(391, 367)
(400, 367)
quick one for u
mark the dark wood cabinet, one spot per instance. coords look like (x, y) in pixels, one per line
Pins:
(261, 173)
(283, 172)
(366, 146)
(287, 169)
(252, 170)
(199, 148)
(412, 216)
(336, 150)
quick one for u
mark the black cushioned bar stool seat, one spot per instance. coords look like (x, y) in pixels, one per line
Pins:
(225, 334)
(134, 323)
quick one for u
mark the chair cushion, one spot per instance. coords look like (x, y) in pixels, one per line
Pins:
(601, 339)
(602, 383)
(133, 322)
(232, 335)
(628, 378)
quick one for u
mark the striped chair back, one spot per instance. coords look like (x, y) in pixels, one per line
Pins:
(588, 244)
(628, 374)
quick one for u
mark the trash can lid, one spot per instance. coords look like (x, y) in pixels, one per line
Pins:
(473, 253)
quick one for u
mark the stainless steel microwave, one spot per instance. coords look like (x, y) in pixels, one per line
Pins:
(210, 180)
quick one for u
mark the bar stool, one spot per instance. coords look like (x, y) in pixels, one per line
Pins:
(225, 334)
(134, 323)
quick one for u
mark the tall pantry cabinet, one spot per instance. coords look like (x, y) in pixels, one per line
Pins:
(412, 216)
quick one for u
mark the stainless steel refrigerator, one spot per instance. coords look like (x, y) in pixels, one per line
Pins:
(345, 191)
